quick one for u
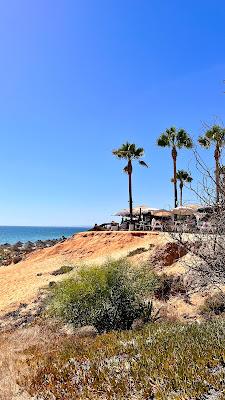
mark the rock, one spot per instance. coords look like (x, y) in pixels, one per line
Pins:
(28, 245)
(167, 254)
(39, 274)
(6, 262)
(12, 314)
(40, 244)
(16, 259)
(17, 245)
(52, 284)
(49, 242)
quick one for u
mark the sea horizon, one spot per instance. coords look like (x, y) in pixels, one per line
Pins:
(24, 233)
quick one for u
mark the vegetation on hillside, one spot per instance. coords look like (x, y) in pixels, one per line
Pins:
(109, 296)
(163, 361)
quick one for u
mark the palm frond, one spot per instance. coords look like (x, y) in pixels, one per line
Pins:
(204, 141)
(189, 179)
(138, 152)
(164, 140)
(125, 169)
(183, 139)
(141, 162)
(216, 134)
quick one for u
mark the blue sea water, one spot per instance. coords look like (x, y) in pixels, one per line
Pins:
(13, 234)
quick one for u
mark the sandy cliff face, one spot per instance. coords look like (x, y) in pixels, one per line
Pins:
(21, 283)
(94, 245)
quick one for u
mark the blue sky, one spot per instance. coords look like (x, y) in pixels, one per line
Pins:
(80, 77)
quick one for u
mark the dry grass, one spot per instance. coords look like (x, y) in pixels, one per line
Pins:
(164, 361)
(13, 347)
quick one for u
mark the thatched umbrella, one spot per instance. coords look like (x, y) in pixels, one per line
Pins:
(138, 210)
(143, 209)
(162, 213)
(122, 213)
(183, 210)
(194, 207)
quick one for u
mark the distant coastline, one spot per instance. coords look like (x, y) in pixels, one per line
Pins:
(13, 234)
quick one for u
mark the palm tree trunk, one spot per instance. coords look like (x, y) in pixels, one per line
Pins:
(181, 194)
(217, 172)
(174, 156)
(129, 170)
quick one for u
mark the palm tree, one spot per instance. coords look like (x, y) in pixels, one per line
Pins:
(175, 139)
(130, 152)
(183, 177)
(216, 136)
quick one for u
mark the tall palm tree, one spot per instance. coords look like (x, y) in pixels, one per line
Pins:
(130, 153)
(183, 177)
(214, 136)
(175, 139)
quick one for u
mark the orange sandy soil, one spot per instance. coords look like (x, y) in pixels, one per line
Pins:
(20, 284)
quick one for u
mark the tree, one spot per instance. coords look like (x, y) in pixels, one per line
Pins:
(175, 139)
(214, 136)
(183, 177)
(130, 153)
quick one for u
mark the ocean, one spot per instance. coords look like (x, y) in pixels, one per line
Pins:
(13, 234)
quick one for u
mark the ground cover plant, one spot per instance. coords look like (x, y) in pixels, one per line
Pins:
(163, 361)
(109, 296)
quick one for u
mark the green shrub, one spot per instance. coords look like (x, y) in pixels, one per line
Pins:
(108, 296)
(214, 304)
(139, 250)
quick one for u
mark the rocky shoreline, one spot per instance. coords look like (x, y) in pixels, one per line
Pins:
(14, 253)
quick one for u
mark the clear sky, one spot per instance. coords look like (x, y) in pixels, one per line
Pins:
(80, 77)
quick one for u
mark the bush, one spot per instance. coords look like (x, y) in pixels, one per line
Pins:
(62, 270)
(139, 250)
(214, 304)
(108, 296)
(169, 285)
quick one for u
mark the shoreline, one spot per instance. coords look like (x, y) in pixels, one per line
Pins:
(16, 252)
(12, 234)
